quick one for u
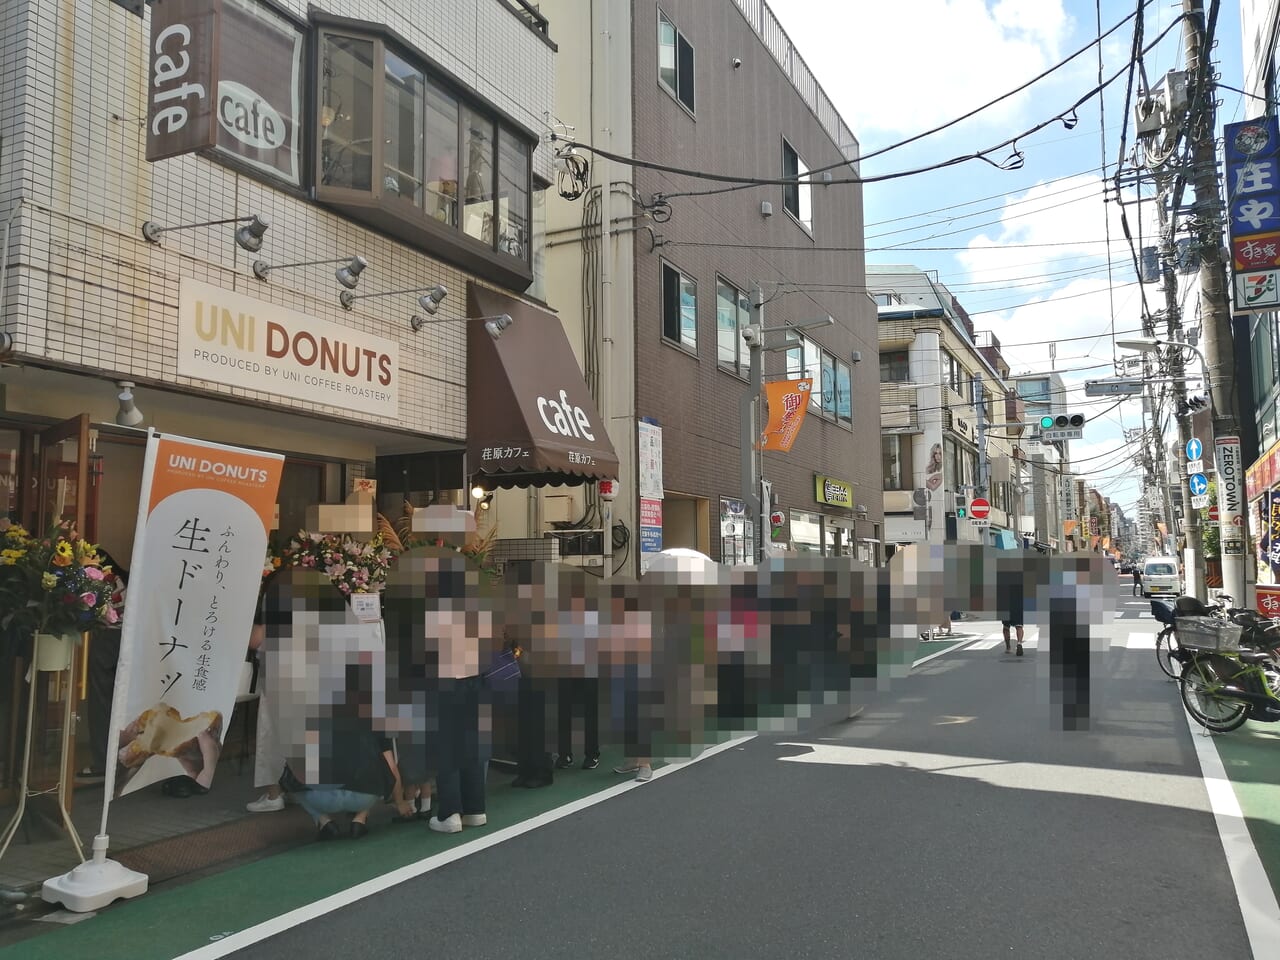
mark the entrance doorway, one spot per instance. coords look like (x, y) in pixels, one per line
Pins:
(686, 522)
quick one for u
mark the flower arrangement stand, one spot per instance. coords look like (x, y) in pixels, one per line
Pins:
(51, 653)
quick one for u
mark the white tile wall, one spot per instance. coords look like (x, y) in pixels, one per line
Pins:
(85, 289)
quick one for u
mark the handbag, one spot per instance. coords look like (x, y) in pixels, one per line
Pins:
(503, 673)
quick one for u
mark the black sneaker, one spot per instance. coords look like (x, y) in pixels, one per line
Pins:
(565, 761)
(328, 832)
(1019, 649)
(590, 763)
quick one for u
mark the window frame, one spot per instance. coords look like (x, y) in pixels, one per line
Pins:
(389, 213)
(802, 188)
(675, 93)
(891, 358)
(797, 368)
(741, 364)
(679, 343)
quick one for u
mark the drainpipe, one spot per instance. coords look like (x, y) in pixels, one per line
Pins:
(606, 277)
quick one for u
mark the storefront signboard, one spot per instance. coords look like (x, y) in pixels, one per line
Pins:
(650, 531)
(833, 492)
(1264, 473)
(203, 517)
(182, 70)
(1252, 154)
(238, 341)
(1269, 602)
(225, 74)
(1271, 534)
(650, 438)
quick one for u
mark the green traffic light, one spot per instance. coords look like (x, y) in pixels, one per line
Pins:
(1046, 423)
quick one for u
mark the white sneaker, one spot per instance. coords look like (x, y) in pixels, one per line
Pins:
(451, 824)
(264, 804)
(474, 819)
(644, 773)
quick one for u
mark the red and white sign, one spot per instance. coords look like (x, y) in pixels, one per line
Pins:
(979, 508)
(1213, 513)
(1269, 601)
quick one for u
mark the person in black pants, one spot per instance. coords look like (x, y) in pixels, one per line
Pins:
(585, 691)
(104, 654)
(1137, 582)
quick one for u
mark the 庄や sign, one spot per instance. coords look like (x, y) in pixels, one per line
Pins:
(834, 492)
(231, 339)
(1252, 153)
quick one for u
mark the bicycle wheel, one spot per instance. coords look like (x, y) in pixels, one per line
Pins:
(1215, 713)
(1166, 646)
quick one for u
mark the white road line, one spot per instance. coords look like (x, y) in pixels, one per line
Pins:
(304, 914)
(1253, 889)
(1136, 641)
(934, 656)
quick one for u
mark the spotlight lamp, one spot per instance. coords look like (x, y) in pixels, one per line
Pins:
(128, 415)
(478, 492)
(348, 274)
(492, 325)
(434, 295)
(248, 237)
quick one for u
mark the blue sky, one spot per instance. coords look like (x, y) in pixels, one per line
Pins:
(1031, 262)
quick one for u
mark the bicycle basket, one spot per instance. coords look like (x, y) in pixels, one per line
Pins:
(1208, 633)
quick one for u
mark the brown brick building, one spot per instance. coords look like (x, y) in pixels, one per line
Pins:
(700, 85)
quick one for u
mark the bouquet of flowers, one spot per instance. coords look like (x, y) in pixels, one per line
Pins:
(55, 584)
(353, 566)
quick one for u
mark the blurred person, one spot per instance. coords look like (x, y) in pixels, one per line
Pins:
(361, 772)
(579, 626)
(104, 655)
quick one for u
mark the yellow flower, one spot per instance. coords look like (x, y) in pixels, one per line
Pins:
(48, 581)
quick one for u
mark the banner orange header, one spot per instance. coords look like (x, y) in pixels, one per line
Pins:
(788, 403)
(253, 477)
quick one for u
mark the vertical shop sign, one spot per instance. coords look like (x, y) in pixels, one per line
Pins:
(1230, 495)
(203, 517)
(1253, 212)
(650, 531)
(182, 77)
(1272, 557)
(734, 545)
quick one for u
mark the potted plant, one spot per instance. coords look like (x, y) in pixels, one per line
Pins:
(53, 588)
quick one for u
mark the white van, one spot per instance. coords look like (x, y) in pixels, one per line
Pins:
(1160, 575)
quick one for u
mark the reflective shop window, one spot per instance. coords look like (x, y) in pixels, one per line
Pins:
(402, 115)
(513, 195)
(441, 196)
(806, 532)
(477, 175)
(346, 114)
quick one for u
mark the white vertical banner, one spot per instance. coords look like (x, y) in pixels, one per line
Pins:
(1230, 494)
(203, 518)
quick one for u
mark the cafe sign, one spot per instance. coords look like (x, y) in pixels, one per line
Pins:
(238, 341)
(835, 493)
(226, 75)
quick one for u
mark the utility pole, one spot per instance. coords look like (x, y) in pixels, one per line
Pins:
(1173, 324)
(752, 467)
(979, 398)
(1207, 233)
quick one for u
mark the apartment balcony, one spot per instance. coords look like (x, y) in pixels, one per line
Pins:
(1015, 412)
(899, 412)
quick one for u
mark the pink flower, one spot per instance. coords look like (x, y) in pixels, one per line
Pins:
(111, 615)
(90, 600)
(93, 573)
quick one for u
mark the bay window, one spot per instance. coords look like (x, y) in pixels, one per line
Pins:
(404, 150)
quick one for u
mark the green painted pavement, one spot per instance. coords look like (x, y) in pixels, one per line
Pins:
(175, 918)
(1251, 758)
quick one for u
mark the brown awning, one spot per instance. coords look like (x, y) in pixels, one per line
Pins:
(531, 421)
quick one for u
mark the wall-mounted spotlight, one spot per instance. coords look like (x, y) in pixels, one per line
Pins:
(492, 325)
(348, 274)
(128, 415)
(481, 496)
(434, 295)
(248, 237)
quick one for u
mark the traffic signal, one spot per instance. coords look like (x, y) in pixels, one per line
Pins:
(962, 506)
(1062, 421)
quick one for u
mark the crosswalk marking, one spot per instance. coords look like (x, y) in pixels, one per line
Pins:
(1144, 640)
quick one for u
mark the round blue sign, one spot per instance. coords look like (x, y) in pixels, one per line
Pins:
(1194, 449)
(1198, 484)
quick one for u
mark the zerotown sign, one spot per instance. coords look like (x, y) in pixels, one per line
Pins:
(231, 339)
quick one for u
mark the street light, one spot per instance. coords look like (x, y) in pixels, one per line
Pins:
(1155, 344)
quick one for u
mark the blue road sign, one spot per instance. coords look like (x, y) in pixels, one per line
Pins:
(1198, 484)
(1194, 449)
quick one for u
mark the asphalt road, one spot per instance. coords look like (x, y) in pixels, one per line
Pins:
(952, 819)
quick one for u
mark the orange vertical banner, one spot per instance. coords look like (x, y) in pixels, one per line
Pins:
(788, 403)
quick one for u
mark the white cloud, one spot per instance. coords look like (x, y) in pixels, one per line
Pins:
(923, 51)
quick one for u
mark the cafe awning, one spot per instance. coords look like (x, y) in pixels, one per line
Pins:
(531, 421)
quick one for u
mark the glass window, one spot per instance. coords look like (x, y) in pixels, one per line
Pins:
(679, 308)
(402, 115)
(675, 61)
(728, 340)
(844, 392)
(797, 198)
(828, 386)
(795, 359)
(513, 195)
(893, 469)
(346, 113)
(813, 370)
(895, 367)
(441, 195)
(477, 175)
